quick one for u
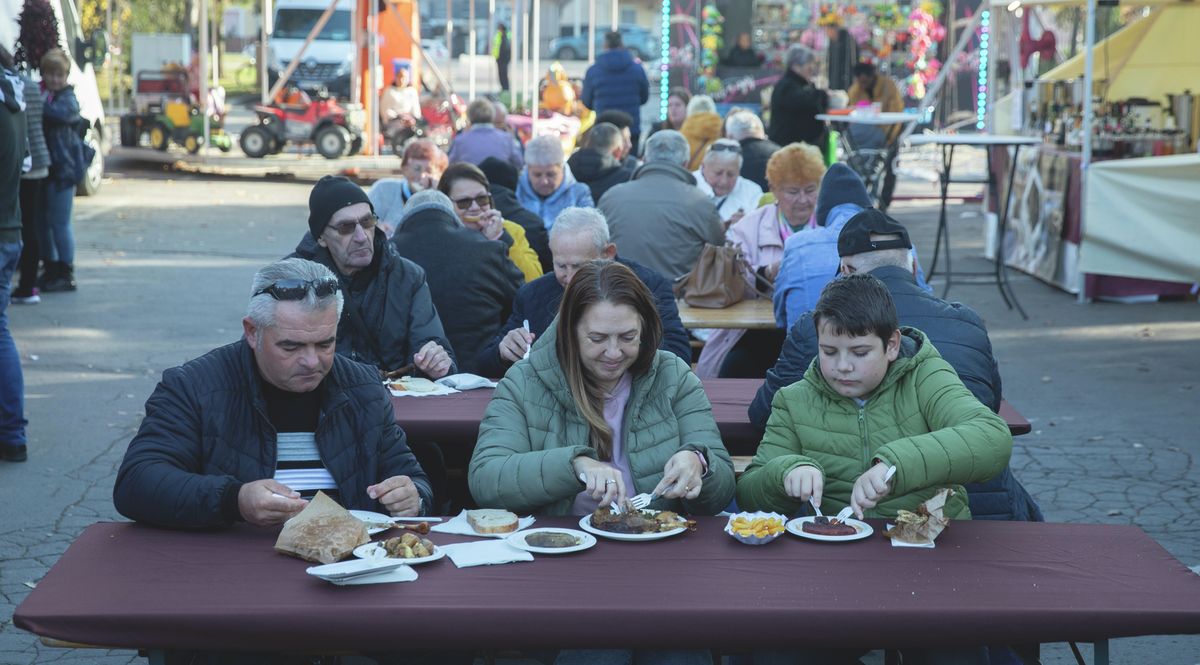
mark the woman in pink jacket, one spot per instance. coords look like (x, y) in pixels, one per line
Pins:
(794, 175)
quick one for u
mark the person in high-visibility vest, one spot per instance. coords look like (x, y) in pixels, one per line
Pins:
(502, 52)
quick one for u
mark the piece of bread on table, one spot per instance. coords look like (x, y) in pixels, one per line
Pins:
(491, 520)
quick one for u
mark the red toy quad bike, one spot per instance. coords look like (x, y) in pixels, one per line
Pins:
(335, 129)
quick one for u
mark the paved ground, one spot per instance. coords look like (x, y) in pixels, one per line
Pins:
(164, 266)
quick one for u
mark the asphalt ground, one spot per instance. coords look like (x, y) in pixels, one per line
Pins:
(164, 266)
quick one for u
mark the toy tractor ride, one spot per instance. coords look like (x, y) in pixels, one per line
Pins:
(336, 130)
(163, 110)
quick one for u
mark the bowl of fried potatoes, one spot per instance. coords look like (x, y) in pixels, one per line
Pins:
(755, 528)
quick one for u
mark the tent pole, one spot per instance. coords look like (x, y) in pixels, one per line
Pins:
(1086, 158)
(537, 66)
(372, 99)
(203, 56)
(263, 77)
(472, 50)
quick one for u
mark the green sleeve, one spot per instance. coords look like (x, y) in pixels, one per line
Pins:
(698, 431)
(781, 450)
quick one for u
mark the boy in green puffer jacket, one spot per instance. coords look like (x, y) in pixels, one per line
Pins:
(876, 396)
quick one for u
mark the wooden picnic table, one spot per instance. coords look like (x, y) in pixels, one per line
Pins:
(751, 314)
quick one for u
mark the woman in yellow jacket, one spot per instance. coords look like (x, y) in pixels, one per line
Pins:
(467, 187)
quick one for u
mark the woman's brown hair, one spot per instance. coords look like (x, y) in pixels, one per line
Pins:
(596, 282)
(461, 171)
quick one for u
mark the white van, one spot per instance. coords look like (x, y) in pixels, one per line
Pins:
(83, 75)
(327, 61)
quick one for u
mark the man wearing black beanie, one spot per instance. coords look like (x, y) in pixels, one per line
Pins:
(389, 319)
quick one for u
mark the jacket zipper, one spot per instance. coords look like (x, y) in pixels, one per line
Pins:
(862, 433)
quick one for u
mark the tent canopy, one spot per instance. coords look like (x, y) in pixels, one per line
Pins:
(1143, 58)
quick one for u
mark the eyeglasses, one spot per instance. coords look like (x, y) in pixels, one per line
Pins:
(346, 228)
(726, 147)
(483, 201)
(297, 289)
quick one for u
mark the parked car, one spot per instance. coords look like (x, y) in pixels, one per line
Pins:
(636, 38)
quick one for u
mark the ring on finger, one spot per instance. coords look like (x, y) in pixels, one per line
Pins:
(610, 481)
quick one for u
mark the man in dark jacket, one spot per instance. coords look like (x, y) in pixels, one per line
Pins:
(747, 129)
(598, 164)
(795, 102)
(389, 319)
(579, 235)
(502, 185)
(245, 431)
(617, 81)
(881, 246)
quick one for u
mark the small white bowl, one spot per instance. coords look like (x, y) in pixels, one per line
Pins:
(755, 540)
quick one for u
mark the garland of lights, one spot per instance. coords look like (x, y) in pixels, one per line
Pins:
(664, 64)
(982, 96)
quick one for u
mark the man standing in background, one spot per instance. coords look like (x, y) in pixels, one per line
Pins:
(502, 52)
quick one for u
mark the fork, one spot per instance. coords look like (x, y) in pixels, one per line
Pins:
(845, 513)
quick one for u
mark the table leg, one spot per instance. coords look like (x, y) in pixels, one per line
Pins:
(1006, 292)
(1100, 652)
(947, 159)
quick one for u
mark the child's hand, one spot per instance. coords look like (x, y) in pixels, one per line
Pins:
(804, 482)
(869, 489)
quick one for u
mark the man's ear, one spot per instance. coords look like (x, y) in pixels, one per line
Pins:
(321, 240)
(610, 251)
(249, 331)
(892, 348)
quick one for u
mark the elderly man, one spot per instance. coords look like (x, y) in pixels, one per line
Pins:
(747, 129)
(617, 81)
(482, 139)
(660, 218)
(718, 177)
(547, 186)
(389, 319)
(872, 242)
(578, 236)
(421, 167)
(796, 102)
(598, 163)
(248, 430)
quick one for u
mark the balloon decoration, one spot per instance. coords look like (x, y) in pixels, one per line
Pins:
(924, 33)
(711, 45)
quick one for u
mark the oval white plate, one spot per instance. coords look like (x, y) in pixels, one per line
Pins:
(795, 527)
(373, 551)
(370, 518)
(585, 523)
(517, 540)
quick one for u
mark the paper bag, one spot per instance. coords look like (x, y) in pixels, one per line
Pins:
(323, 532)
(924, 525)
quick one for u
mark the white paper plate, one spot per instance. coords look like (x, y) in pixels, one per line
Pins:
(373, 518)
(517, 540)
(346, 570)
(372, 551)
(795, 527)
(585, 523)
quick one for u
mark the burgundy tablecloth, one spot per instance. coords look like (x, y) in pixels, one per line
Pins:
(127, 585)
(453, 420)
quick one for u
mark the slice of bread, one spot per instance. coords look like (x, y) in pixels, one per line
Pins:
(491, 520)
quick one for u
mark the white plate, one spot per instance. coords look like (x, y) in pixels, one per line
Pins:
(517, 540)
(585, 523)
(346, 570)
(373, 551)
(795, 527)
(373, 518)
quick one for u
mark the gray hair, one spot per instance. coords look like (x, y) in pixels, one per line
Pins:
(724, 155)
(744, 125)
(481, 112)
(261, 308)
(668, 146)
(428, 199)
(899, 257)
(799, 55)
(582, 220)
(544, 151)
(701, 104)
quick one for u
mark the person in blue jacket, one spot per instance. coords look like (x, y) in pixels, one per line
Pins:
(617, 81)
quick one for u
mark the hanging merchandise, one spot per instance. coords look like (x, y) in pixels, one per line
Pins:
(924, 33)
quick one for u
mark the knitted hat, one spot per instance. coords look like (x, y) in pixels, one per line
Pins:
(329, 195)
(855, 237)
(839, 185)
(429, 199)
(500, 172)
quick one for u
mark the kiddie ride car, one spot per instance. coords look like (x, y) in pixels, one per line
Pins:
(335, 129)
(163, 109)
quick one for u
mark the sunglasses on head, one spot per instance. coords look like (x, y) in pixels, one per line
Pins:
(726, 147)
(483, 201)
(297, 289)
(347, 227)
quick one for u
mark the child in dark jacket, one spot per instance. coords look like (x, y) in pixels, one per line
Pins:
(69, 160)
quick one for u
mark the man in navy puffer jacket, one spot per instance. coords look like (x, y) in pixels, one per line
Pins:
(617, 81)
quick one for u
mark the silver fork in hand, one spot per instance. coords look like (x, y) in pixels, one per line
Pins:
(845, 513)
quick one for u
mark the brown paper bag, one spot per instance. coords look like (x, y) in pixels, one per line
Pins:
(923, 526)
(323, 532)
(717, 281)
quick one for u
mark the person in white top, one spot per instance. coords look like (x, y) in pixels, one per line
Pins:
(733, 195)
(400, 101)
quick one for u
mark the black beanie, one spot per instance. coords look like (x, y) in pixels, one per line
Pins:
(329, 195)
(839, 185)
(500, 172)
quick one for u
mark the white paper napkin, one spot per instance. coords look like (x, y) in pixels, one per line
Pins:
(466, 381)
(401, 574)
(460, 526)
(898, 543)
(439, 390)
(484, 553)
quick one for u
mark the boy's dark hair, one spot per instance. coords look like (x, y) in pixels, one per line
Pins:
(857, 305)
(612, 39)
(864, 69)
(615, 117)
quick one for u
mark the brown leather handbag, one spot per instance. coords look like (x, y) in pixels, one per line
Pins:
(717, 281)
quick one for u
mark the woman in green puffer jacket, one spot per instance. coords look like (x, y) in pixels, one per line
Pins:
(876, 396)
(596, 399)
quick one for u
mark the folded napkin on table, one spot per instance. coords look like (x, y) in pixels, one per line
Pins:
(484, 553)
(465, 381)
(896, 542)
(460, 526)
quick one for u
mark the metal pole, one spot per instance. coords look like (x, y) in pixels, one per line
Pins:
(264, 30)
(372, 99)
(578, 27)
(591, 31)
(356, 38)
(614, 15)
(491, 36)
(1086, 159)
(450, 41)
(537, 66)
(525, 51)
(112, 71)
(473, 50)
(516, 35)
(202, 52)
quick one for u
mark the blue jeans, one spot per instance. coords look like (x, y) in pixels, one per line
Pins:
(55, 234)
(12, 383)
